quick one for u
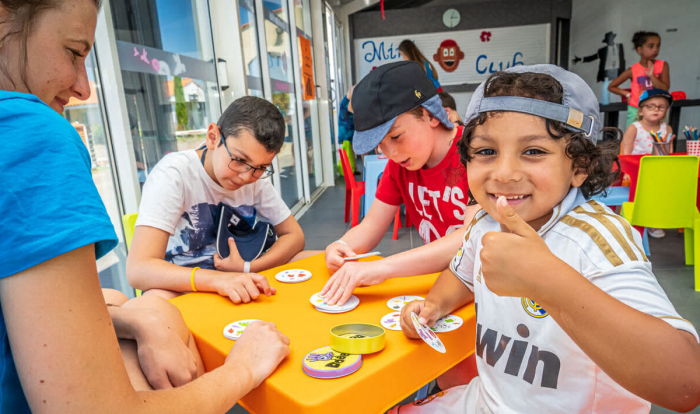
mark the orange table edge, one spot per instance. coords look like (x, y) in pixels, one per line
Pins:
(385, 378)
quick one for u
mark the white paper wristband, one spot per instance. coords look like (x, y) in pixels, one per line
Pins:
(246, 267)
(341, 242)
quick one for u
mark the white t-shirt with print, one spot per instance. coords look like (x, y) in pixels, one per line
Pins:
(526, 361)
(179, 197)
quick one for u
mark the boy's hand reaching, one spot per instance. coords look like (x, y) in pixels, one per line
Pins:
(335, 252)
(233, 263)
(340, 286)
(427, 313)
(514, 264)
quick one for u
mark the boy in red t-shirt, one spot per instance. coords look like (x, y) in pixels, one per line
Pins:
(397, 108)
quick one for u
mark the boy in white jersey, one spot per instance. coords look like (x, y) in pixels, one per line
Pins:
(570, 317)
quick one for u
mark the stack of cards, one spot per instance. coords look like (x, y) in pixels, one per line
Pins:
(293, 275)
(320, 305)
(399, 302)
(326, 363)
(427, 335)
(234, 330)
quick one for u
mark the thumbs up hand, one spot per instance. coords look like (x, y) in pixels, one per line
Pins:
(516, 263)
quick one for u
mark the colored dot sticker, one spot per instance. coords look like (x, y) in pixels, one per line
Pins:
(293, 275)
(327, 363)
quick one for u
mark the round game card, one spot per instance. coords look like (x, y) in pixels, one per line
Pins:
(234, 330)
(399, 302)
(293, 275)
(326, 363)
(427, 335)
(392, 321)
(447, 323)
(319, 303)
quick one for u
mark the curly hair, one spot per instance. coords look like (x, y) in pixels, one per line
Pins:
(639, 38)
(594, 160)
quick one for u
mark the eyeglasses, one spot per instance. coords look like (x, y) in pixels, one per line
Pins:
(240, 166)
(655, 107)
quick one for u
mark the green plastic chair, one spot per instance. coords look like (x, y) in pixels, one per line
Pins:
(129, 223)
(666, 199)
(347, 146)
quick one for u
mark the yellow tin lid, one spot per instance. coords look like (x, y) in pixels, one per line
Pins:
(357, 338)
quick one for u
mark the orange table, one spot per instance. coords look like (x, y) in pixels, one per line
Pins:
(385, 378)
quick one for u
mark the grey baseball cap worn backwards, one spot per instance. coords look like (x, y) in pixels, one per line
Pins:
(579, 110)
(387, 92)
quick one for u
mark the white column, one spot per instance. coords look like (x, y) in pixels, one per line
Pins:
(321, 71)
(226, 33)
(116, 112)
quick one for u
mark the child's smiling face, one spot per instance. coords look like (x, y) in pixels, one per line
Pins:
(514, 156)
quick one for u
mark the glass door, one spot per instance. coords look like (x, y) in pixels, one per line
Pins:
(309, 99)
(331, 75)
(87, 117)
(251, 55)
(278, 46)
(166, 55)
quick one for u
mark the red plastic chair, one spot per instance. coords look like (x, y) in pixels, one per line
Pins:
(354, 190)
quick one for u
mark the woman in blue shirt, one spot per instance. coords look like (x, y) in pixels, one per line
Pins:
(59, 350)
(409, 51)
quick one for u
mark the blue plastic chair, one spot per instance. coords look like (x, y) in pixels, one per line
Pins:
(615, 197)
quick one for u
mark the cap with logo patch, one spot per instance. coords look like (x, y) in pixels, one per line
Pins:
(387, 92)
(578, 111)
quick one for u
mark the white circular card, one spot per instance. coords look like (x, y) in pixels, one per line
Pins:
(399, 302)
(392, 321)
(427, 335)
(447, 323)
(234, 330)
(349, 305)
(293, 275)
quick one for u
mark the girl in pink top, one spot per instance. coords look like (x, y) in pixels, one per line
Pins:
(648, 73)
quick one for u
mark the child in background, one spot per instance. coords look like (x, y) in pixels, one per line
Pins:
(174, 248)
(409, 51)
(570, 317)
(648, 73)
(653, 105)
(448, 102)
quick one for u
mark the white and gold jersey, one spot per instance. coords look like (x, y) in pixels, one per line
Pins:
(526, 361)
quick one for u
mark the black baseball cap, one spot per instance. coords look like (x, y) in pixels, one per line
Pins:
(387, 92)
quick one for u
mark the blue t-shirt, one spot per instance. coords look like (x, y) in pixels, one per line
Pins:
(49, 202)
(346, 123)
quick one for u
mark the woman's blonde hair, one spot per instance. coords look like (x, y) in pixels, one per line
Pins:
(411, 51)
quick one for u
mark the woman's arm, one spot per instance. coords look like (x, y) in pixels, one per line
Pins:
(627, 144)
(146, 269)
(68, 358)
(613, 86)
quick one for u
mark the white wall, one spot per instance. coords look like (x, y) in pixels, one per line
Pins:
(591, 19)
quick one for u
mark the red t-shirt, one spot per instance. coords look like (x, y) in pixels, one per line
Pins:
(435, 198)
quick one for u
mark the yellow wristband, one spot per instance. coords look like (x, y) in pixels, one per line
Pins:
(194, 288)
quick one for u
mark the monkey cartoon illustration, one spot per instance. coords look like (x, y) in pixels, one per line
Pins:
(448, 55)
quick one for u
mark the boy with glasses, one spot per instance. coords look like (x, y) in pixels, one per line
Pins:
(174, 249)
